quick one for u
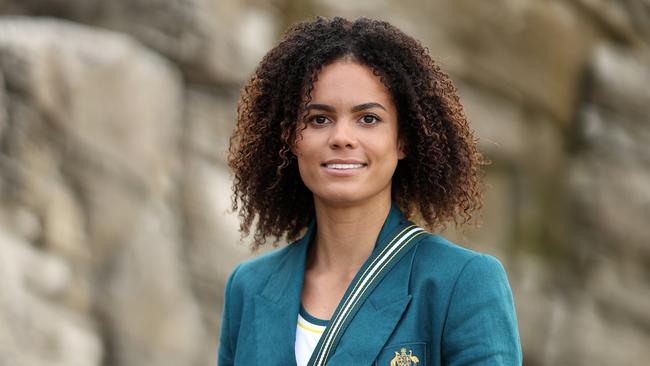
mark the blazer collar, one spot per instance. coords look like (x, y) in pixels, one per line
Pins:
(394, 220)
(277, 306)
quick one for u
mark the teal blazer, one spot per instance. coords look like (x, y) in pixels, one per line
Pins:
(441, 303)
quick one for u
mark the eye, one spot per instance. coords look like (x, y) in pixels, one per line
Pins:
(369, 119)
(318, 120)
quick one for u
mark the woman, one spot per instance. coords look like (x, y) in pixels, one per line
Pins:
(345, 130)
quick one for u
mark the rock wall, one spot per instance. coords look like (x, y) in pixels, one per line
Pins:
(115, 240)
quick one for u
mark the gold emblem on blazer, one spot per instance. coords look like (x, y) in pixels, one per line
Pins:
(404, 359)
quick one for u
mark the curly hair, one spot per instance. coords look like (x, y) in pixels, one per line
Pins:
(439, 179)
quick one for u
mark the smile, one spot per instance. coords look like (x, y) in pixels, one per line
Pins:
(344, 166)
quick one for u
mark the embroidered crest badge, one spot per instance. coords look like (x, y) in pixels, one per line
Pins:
(404, 359)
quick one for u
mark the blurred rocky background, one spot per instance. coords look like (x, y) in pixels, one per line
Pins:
(115, 240)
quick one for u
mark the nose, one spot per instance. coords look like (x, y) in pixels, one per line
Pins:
(342, 135)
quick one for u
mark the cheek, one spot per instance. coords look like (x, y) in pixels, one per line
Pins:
(387, 156)
(307, 162)
(305, 142)
(301, 150)
(386, 148)
(308, 174)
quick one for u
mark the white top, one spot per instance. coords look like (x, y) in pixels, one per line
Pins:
(308, 333)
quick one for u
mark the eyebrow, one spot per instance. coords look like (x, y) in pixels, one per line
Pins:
(356, 108)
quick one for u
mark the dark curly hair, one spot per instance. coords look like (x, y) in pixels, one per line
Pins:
(438, 181)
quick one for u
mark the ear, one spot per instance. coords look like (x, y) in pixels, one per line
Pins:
(293, 146)
(297, 137)
(401, 148)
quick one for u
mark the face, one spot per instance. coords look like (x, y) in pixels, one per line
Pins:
(348, 147)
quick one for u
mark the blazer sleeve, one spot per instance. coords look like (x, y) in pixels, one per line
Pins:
(481, 325)
(227, 342)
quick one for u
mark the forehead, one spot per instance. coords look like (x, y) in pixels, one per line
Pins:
(345, 82)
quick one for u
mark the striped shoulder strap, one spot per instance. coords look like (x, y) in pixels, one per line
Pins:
(364, 283)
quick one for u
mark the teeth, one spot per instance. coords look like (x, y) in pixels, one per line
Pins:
(344, 166)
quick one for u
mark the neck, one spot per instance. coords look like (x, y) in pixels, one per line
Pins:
(346, 236)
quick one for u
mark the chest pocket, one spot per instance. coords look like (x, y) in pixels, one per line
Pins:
(403, 354)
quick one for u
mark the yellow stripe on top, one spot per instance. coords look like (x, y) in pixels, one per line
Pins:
(307, 336)
(310, 328)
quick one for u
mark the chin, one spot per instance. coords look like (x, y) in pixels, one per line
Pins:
(339, 198)
(346, 198)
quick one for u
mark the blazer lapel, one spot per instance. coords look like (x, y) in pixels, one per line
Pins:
(277, 306)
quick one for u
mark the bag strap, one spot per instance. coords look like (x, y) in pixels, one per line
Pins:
(362, 286)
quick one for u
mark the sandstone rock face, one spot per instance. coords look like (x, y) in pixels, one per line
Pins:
(208, 39)
(610, 206)
(115, 235)
(34, 331)
(92, 143)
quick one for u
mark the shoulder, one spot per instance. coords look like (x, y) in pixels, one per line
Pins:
(435, 256)
(472, 294)
(252, 274)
